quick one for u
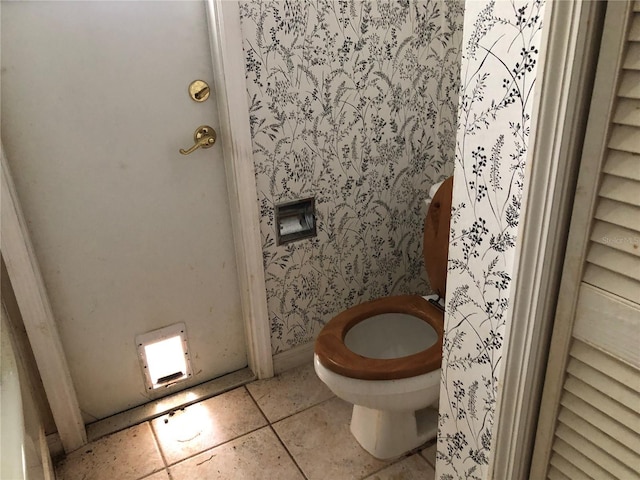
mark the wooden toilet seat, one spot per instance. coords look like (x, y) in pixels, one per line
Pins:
(336, 356)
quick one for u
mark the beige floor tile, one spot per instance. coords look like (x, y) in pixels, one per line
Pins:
(411, 468)
(130, 454)
(322, 445)
(207, 424)
(289, 392)
(430, 454)
(256, 456)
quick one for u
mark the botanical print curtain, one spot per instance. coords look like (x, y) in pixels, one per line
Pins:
(498, 78)
(354, 103)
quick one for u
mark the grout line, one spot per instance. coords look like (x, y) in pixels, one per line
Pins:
(270, 425)
(386, 465)
(303, 410)
(290, 414)
(155, 438)
(423, 455)
(410, 453)
(171, 464)
(264, 415)
(288, 452)
(153, 473)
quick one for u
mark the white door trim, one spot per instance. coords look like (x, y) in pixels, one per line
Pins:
(567, 56)
(39, 322)
(233, 108)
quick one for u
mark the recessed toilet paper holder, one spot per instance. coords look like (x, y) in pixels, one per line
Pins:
(295, 220)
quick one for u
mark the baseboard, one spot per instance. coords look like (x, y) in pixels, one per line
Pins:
(294, 357)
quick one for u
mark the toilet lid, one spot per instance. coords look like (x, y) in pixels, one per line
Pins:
(337, 357)
(435, 248)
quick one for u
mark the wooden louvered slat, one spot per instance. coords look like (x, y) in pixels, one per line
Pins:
(620, 189)
(573, 456)
(603, 403)
(634, 32)
(598, 419)
(614, 260)
(606, 364)
(627, 112)
(555, 474)
(625, 138)
(596, 311)
(621, 452)
(632, 58)
(622, 286)
(629, 85)
(616, 237)
(594, 453)
(636, 6)
(622, 214)
(604, 384)
(623, 164)
(567, 468)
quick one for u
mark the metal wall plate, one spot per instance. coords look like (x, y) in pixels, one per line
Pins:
(295, 220)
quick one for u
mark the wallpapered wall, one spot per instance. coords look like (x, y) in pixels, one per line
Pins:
(500, 51)
(352, 102)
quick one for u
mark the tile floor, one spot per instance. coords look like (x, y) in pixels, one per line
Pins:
(287, 427)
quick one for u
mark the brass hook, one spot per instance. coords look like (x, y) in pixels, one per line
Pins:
(204, 137)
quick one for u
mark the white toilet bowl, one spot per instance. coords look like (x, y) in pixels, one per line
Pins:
(390, 417)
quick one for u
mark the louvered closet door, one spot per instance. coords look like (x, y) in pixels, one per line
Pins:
(589, 426)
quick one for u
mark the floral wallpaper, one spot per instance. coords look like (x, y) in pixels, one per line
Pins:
(353, 103)
(498, 77)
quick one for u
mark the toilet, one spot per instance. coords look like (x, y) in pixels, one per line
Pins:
(384, 356)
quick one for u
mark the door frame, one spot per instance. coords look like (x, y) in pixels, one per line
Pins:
(568, 58)
(37, 315)
(233, 109)
(223, 20)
